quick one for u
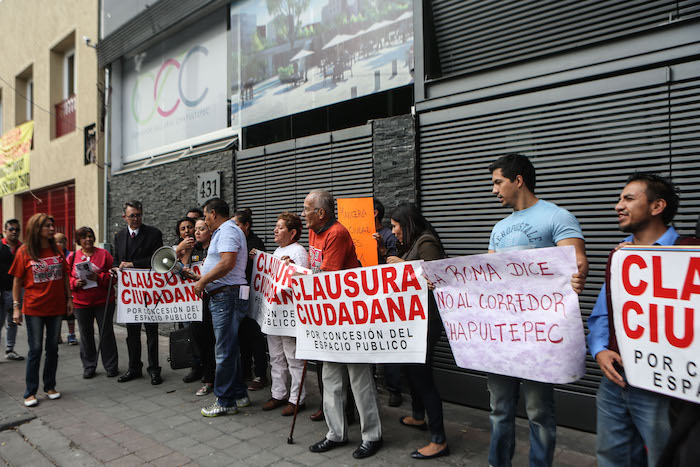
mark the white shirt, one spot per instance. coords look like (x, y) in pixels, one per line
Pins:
(296, 252)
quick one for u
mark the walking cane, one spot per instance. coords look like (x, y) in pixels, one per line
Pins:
(104, 319)
(290, 440)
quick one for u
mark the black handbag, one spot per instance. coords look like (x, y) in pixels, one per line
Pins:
(180, 349)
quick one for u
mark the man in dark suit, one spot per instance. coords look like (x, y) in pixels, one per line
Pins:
(134, 247)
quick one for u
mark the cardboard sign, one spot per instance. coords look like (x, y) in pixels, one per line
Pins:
(271, 300)
(145, 296)
(357, 215)
(656, 297)
(363, 315)
(513, 313)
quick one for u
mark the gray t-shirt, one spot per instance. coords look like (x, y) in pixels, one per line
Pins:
(228, 238)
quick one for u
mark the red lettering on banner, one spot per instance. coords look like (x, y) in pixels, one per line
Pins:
(125, 281)
(549, 335)
(653, 323)
(301, 316)
(409, 279)
(375, 282)
(260, 264)
(286, 296)
(638, 331)
(257, 279)
(396, 311)
(344, 315)
(189, 293)
(416, 308)
(307, 297)
(333, 294)
(688, 335)
(329, 314)
(690, 286)
(158, 281)
(179, 296)
(389, 279)
(538, 331)
(172, 280)
(526, 330)
(126, 294)
(626, 265)
(659, 290)
(350, 280)
(318, 289)
(377, 312)
(356, 310)
(288, 273)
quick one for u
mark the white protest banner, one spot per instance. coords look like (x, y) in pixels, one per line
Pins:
(364, 315)
(271, 301)
(145, 296)
(513, 313)
(655, 293)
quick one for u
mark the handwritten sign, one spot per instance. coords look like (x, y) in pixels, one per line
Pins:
(513, 313)
(14, 158)
(363, 315)
(655, 296)
(144, 296)
(357, 215)
(271, 300)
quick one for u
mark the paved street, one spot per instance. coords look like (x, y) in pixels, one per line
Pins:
(100, 421)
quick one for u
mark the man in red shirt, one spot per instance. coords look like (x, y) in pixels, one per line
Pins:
(331, 249)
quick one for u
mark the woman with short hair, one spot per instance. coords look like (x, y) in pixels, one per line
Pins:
(40, 268)
(283, 363)
(94, 300)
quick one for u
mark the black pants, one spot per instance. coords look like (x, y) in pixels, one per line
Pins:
(108, 344)
(203, 340)
(424, 395)
(253, 348)
(133, 343)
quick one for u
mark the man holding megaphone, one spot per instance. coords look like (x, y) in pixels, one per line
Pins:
(134, 246)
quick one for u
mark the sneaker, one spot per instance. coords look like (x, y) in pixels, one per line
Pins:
(12, 355)
(257, 384)
(243, 401)
(30, 401)
(53, 394)
(72, 340)
(215, 410)
(204, 390)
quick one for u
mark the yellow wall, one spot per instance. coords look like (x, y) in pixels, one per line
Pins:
(29, 30)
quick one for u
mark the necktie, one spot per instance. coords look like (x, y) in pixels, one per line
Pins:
(133, 234)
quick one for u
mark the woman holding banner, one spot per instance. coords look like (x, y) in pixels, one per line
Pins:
(418, 240)
(283, 348)
(40, 268)
(94, 300)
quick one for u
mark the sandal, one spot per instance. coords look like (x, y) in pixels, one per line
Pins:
(204, 390)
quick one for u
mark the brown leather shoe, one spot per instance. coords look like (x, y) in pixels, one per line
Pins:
(272, 404)
(288, 410)
(257, 384)
(318, 416)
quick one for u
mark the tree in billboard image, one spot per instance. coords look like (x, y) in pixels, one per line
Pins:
(297, 55)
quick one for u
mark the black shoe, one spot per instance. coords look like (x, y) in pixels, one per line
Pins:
(326, 445)
(88, 373)
(129, 375)
(445, 451)
(155, 376)
(112, 374)
(395, 399)
(367, 449)
(192, 376)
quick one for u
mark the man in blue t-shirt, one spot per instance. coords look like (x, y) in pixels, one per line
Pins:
(224, 281)
(534, 223)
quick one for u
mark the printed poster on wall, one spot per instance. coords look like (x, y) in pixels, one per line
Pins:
(513, 313)
(655, 295)
(364, 315)
(145, 296)
(271, 300)
(14, 158)
(176, 90)
(293, 56)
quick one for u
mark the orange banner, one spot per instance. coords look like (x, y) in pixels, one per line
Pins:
(357, 215)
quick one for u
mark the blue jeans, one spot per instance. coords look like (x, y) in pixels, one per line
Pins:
(6, 311)
(35, 336)
(539, 405)
(227, 312)
(630, 418)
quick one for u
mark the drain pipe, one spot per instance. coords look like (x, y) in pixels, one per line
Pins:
(108, 162)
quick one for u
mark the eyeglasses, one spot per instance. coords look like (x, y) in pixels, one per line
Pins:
(12, 229)
(134, 216)
(309, 210)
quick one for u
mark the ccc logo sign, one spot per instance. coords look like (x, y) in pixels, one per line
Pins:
(159, 79)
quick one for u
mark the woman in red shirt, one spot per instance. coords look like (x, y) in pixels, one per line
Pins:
(90, 295)
(41, 269)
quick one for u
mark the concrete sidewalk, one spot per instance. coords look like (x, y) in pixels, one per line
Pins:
(100, 421)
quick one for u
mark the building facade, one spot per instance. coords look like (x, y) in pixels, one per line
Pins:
(418, 99)
(50, 76)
